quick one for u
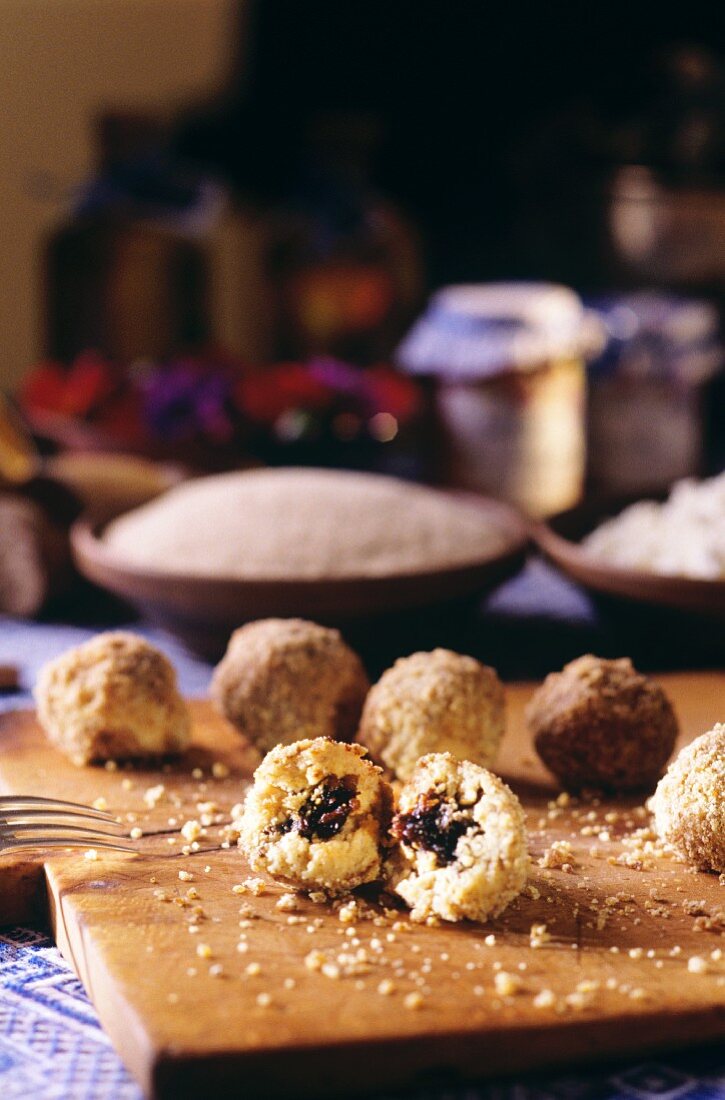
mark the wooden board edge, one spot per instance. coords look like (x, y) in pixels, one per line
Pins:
(23, 893)
(119, 1020)
(427, 1061)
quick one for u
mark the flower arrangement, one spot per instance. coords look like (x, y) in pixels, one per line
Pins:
(216, 403)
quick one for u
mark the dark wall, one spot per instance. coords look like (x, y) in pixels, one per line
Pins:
(480, 106)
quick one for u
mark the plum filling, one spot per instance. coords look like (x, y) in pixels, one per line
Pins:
(327, 809)
(433, 825)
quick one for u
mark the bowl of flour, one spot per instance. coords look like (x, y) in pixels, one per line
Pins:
(335, 546)
(668, 552)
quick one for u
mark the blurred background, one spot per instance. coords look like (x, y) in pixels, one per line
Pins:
(474, 244)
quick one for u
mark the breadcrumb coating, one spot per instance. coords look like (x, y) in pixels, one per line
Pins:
(113, 697)
(317, 816)
(463, 847)
(601, 724)
(283, 680)
(434, 702)
(689, 803)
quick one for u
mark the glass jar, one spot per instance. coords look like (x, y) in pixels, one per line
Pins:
(649, 392)
(508, 362)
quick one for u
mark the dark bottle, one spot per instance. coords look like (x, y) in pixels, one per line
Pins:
(343, 266)
(126, 274)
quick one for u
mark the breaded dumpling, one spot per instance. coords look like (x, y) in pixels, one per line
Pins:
(600, 724)
(689, 803)
(433, 702)
(283, 680)
(463, 848)
(111, 698)
(317, 816)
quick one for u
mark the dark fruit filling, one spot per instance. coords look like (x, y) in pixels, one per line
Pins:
(327, 809)
(434, 825)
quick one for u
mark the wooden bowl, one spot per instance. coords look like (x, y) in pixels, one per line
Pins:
(203, 611)
(107, 484)
(560, 539)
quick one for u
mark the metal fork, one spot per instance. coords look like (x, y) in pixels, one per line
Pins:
(29, 822)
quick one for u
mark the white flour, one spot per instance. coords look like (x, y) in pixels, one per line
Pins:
(685, 536)
(302, 523)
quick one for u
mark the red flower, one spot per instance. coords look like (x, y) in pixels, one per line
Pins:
(91, 381)
(393, 393)
(44, 388)
(121, 418)
(74, 392)
(263, 396)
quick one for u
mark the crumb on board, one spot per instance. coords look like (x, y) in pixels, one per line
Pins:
(559, 855)
(507, 985)
(287, 903)
(544, 999)
(153, 795)
(538, 935)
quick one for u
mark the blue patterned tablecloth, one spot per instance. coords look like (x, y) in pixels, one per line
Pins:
(51, 1044)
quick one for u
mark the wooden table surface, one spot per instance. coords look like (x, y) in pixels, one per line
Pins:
(621, 927)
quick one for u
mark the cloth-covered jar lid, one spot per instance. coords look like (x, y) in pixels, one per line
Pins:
(657, 335)
(480, 330)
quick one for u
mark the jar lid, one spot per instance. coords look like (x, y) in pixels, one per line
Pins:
(659, 335)
(480, 330)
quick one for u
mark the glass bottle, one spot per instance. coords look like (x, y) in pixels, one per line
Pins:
(343, 265)
(126, 273)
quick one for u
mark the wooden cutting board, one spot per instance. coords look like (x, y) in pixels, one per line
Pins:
(613, 979)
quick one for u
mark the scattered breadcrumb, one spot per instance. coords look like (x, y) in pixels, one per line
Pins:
(256, 886)
(506, 985)
(288, 903)
(544, 999)
(153, 795)
(314, 960)
(191, 830)
(560, 855)
(538, 935)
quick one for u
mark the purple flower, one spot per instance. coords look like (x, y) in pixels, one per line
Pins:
(182, 401)
(350, 384)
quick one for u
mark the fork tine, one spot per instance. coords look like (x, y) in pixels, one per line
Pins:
(33, 827)
(53, 817)
(65, 842)
(8, 803)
